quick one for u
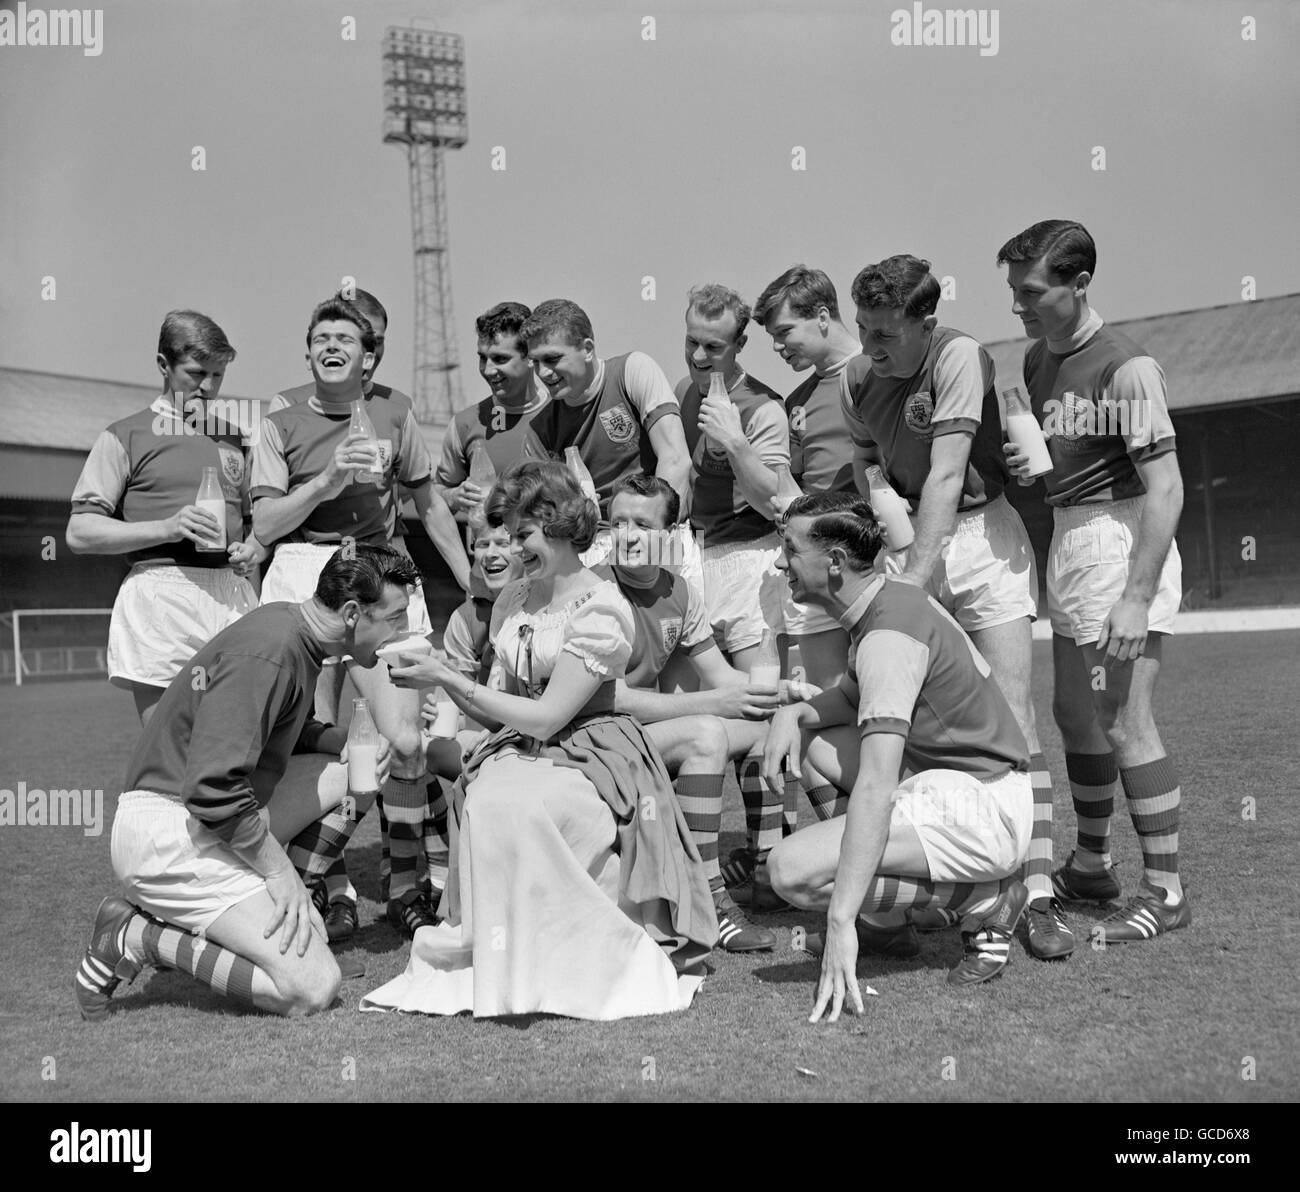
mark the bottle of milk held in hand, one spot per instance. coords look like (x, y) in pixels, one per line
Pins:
(212, 500)
(363, 750)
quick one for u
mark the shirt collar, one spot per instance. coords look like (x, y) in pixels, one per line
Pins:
(840, 365)
(853, 615)
(594, 388)
(1091, 325)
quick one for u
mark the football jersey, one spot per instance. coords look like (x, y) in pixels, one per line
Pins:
(506, 435)
(611, 429)
(951, 392)
(222, 744)
(719, 510)
(669, 617)
(1104, 403)
(147, 467)
(912, 671)
(821, 453)
(296, 444)
(467, 639)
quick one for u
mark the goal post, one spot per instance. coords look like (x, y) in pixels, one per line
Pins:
(54, 642)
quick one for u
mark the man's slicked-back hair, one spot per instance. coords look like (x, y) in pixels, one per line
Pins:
(544, 491)
(713, 301)
(367, 304)
(340, 310)
(901, 282)
(643, 484)
(1064, 245)
(360, 573)
(557, 318)
(189, 333)
(841, 519)
(804, 289)
(506, 318)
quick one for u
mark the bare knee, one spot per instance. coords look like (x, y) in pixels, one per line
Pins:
(407, 752)
(788, 877)
(310, 990)
(708, 743)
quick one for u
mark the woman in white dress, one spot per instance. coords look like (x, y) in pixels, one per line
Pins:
(575, 888)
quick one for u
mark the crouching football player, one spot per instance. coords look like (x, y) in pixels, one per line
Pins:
(918, 700)
(200, 831)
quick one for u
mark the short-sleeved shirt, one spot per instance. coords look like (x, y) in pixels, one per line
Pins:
(719, 510)
(221, 736)
(821, 453)
(467, 640)
(669, 618)
(1104, 403)
(611, 425)
(912, 671)
(504, 433)
(296, 445)
(148, 466)
(951, 392)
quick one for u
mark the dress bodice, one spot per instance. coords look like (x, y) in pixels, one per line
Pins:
(596, 627)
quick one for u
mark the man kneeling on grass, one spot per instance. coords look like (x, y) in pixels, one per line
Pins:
(922, 740)
(200, 830)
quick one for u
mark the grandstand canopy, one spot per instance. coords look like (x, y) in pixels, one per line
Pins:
(1214, 358)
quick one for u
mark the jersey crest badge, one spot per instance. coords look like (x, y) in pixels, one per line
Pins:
(619, 424)
(670, 630)
(917, 412)
(232, 465)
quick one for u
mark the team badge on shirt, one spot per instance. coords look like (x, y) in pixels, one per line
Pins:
(917, 412)
(232, 465)
(619, 424)
(670, 630)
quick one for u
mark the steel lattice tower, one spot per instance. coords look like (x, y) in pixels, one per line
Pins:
(424, 109)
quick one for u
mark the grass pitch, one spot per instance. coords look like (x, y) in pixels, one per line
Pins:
(1185, 1017)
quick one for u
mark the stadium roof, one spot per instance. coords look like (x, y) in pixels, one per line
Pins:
(1215, 357)
(39, 409)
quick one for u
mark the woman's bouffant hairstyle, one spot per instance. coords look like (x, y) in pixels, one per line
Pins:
(544, 491)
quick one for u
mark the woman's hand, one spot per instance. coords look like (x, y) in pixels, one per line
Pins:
(430, 671)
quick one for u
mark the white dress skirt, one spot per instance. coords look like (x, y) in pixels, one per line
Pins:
(574, 887)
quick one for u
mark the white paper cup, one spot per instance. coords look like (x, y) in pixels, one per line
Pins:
(411, 647)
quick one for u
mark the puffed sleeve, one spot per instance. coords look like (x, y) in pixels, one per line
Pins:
(601, 633)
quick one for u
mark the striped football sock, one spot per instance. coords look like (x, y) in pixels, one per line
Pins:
(385, 853)
(404, 800)
(828, 802)
(1038, 865)
(437, 847)
(888, 893)
(700, 798)
(337, 883)
(165, 946)
(1093, 777)
(319, 845)
(764, 808)
(790, 808)
(1154, 797)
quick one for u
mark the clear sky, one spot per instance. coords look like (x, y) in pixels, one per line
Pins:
(626, 158)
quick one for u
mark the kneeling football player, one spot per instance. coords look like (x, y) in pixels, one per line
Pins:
(918, 700)
(200, 831)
